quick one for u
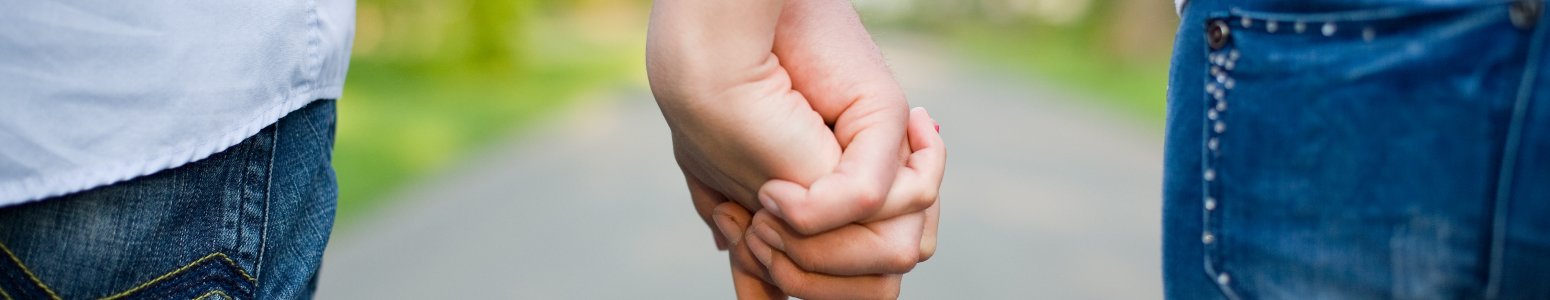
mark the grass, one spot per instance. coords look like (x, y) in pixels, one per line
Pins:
(1136, 88)
(399, 122)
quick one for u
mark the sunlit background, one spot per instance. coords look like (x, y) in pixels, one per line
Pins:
(510, 149)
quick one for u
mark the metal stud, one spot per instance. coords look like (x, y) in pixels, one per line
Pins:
(1525, 13)
(1216, 71)
(1221, 126)
(1218, 34)
(1247, 23)
(1213, 143)
(1233, 55)
(1368, 34)
(1221, 104)
(1210, 174)
(1211, 114)
(1207, 238)
(1220, 95)
(1229, 65)
(1222, 279)
(1211, 88)
(1230, 83)
(1300, 26)
(1210, 203)
(1329, 29)
(1271, 26)
(1221, 78)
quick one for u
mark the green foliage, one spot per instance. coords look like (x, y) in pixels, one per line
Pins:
(432, 80)
(1116, 50)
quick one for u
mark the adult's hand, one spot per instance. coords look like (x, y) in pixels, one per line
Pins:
(856, 261)
(738, 121)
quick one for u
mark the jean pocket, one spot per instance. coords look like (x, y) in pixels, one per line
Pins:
(1353, 154)
(212, 277)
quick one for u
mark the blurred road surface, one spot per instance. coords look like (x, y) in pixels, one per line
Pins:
(1044, 198)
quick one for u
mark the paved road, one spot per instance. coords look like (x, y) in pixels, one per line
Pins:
(1044, 199)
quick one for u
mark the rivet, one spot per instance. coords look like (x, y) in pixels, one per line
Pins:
(1300, 26)
(1210, 203)
(1230, 83)
(1207, 238)
(1213, 143)
(1221, 126)
(1221, 104)
(1221, 78)
(1210, 174)
(1216, 71)
(1229, 65)
(1271, 26)
(1524, 13)
(1218, 34)
(1211, 87)
(1329, 28)
(1222, 279)
(1247, 23)
(1211, 114)
(1219, 95)
(1368, 34)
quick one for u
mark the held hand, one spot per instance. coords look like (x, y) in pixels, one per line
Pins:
(736, 121)
(856, 261)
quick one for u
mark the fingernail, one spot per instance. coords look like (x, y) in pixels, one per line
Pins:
(769, 204)
(729, 229)
(721, 241)
(760, 250)
(938, 126)
(770, 236)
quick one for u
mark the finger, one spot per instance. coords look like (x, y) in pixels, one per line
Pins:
(916, 186)
(833, 61)
(705, 200)
(928, 236)
(750, 279)
(889, 246)
(800, 283)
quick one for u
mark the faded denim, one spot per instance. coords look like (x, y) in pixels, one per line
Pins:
(1381, 150)
(249, 222)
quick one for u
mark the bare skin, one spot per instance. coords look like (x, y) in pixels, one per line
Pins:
(750, 90)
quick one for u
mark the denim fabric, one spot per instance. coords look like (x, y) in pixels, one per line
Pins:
(249, 222)
(1358, 150)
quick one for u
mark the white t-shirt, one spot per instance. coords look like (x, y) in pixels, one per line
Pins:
(94, 92)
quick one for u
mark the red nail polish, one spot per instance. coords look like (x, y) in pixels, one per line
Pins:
(938, 127)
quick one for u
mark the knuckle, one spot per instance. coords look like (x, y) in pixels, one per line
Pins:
(901, 261)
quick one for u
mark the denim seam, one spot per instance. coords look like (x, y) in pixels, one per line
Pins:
(1509, 159)
(212, 293)
(27, 271)
(229, 263)
(263, 232)
(1218, 63)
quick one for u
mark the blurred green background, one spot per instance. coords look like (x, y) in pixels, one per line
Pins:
(432, 80)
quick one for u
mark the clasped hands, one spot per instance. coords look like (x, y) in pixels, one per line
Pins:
(787, 109)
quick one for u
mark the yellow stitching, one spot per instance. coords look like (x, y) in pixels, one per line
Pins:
(207, 295)
(29, 272)
(7, 296)
(180, 270)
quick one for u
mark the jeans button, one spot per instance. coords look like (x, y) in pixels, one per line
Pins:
(1525, 13)
(1218, 34)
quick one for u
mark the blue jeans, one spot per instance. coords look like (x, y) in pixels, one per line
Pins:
(246, 223)
(1360, 149)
